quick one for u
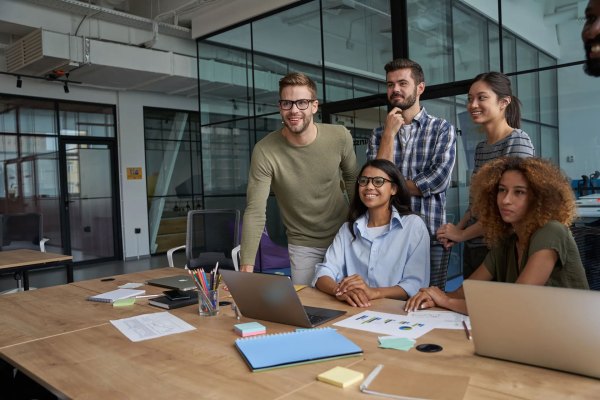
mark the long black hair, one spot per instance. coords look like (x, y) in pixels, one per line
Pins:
(500, 84)
(400, 200)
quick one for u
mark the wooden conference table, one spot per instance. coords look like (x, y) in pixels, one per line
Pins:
(69, 346)
(24, 260)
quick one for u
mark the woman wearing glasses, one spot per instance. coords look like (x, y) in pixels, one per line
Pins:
(383, 249)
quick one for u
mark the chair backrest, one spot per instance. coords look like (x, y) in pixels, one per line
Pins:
(211, 236)
(18, 231)
(439, 275)
(588, 243)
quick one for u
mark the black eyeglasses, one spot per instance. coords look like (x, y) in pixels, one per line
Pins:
(378, 181)
(302, 104)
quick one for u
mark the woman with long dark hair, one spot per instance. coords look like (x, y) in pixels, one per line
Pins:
(491, 105)
(383, 249)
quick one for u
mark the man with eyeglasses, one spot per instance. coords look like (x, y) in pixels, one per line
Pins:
(303, 163)
(423, 147)
(590, 34)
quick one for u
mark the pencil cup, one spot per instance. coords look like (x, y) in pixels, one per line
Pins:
(208, 302)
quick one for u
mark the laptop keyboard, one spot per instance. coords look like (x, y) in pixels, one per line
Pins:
(315, 319)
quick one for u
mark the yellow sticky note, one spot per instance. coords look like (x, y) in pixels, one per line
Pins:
(298, 288)
(341, 377)
(124, 302)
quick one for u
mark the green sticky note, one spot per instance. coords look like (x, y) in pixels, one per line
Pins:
(124, 302)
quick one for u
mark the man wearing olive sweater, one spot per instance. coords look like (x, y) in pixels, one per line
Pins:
(303, 163)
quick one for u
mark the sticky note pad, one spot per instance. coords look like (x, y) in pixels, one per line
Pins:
(391, 342)
(124, 302)
(341, 377)
(249, 329)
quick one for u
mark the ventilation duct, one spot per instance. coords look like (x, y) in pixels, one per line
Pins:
(43, 53)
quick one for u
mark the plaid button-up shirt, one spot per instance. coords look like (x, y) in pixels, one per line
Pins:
(424, 151)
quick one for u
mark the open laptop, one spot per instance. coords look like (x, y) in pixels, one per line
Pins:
(182, 283)
(273, 298)
(545, 326)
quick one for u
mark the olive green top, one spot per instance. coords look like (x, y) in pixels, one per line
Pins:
(307, 183)
(568, 271)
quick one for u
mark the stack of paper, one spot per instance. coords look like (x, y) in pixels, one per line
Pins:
(250, 329)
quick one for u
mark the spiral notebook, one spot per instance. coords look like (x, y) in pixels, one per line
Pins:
(294, 348)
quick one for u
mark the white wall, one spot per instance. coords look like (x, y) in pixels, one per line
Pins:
(130, 133)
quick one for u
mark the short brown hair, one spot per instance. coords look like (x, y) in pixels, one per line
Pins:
(298, 79)
(402, 63)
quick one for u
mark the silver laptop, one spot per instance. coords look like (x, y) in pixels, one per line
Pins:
(545, 326)
(273, 298)
(180, 282)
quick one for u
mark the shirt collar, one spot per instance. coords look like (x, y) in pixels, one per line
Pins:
(360, 225)
(421, 117)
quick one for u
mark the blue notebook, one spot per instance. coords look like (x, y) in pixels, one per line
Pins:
(294, 348)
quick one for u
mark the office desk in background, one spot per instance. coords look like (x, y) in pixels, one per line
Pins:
(24, 260)
(97, 361)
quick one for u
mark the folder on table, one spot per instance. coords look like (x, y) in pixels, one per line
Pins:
(294, 348)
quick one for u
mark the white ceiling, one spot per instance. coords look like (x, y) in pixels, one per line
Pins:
(174, 21)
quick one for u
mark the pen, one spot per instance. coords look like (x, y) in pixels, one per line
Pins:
(147, 296)
(237, 311)
(466, 330)
(371, 376)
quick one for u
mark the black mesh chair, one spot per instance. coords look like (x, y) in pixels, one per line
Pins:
(212, 236)
(21, 231)
(588, 243)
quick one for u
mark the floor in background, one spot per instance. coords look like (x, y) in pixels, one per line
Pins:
(57, 276)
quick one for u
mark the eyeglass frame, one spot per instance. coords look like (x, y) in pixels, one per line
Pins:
(295, 103)
(371, 179)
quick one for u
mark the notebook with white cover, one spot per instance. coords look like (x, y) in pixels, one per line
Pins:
(118, 294)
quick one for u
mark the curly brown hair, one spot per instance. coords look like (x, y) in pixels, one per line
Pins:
(551, 197)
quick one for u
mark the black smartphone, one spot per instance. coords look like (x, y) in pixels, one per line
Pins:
(177, 294)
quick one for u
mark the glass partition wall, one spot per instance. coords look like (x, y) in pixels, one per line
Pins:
(344, 44)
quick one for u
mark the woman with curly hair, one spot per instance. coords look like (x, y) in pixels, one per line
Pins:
(525, 206)
(383, 249)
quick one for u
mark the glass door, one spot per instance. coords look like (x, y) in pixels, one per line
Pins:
(90, 199)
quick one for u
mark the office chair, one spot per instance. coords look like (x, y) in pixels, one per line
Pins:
(211, 237)
(21, 231)
(588, 243)
(439, 276)
(270, 255)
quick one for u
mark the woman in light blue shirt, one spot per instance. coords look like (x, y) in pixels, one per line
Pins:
(383, 249)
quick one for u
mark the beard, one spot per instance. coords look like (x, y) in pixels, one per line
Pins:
(406, 103)
(592, 65)
(297, 128)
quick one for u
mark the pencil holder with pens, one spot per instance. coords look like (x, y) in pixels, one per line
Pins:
(208, 290)
(208, 303)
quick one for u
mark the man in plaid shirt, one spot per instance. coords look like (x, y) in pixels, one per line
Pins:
(423, 147)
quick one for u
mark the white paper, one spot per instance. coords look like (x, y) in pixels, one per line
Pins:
(441, 319)
(131, 285)
(150, 326)
(389, 324)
